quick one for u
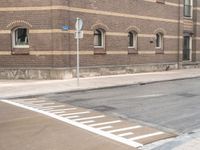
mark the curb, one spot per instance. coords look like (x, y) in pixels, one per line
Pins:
(99, 88)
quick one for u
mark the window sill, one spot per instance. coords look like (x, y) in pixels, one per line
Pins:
(99, 51)
(20, 51)
(98, 47)
(132, 50)
(159, 51)
(188, 18)
(21, 47)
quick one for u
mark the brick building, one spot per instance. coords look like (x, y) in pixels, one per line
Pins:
(120, 36)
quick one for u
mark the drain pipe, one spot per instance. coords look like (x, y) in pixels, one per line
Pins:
(179, 24)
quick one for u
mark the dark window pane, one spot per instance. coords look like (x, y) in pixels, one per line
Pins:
(21, 37)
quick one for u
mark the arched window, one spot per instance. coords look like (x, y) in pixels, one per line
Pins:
(20, 38)
(159, 40)
(132, 39)
(99, 38)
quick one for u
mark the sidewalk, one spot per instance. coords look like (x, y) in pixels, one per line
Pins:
(20, 88)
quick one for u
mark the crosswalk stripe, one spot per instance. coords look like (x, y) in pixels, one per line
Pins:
(106, 127)
(72, 117)
(77, 113)
(42, 104)
(88, 118)
(85, 122)
(125, 129)
(48, 107)
(62, 109)
(125, 134)
(145, 136)
(105, 123)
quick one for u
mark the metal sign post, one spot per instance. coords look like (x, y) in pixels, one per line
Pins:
(78, 35)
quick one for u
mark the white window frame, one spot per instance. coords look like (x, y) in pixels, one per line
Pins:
(191, 10)
(14, 39)
(102, 39)
(135, 40)
(161, 41)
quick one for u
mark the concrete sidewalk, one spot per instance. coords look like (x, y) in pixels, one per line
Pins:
(20, 88)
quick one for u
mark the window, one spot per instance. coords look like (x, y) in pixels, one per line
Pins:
(188, 8)
(187, 47)
(159, 41)
(132, 40)
(20, 38)
(98, 38)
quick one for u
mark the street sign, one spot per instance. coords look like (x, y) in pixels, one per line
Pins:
(79, 35)
(79, 24)
(65, 27)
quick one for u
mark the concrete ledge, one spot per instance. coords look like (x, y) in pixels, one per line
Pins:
(67, 73)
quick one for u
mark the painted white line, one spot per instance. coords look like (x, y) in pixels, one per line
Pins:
(58, 112)
(55, 110)
(106, 127)
(146, 136)
(149, 96)
(29, 100)
(41, 104)
(77, 113)
(86, 122)
(124, 129)
(33, 101)
(105, 123)
(79, 125)
(88, 118)
(72, 117)
(48, 107)
(125, 134)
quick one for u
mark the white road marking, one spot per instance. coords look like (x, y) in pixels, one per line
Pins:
(41, 104)
(86, 122)
(105, 123)
(124, 129)
(57, 112)
(72, 117)
(52, 110)
(32, 101)
(145, 136)
(77, 113)
(29, 100)
(47, 107)
(125, 134)
(88, 118)
(106, 127)
(149, 96)
(77, 124)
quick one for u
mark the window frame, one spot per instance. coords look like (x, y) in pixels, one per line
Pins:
(161, 41)
(102, 32)
(14, 37)
(190, 6)
(134, 39)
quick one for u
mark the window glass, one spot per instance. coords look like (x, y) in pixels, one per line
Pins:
(187, 8)
(159, 40)
(132, 37)
(98, 37)
(21, 36)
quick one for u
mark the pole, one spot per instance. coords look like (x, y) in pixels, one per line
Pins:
(78, 62)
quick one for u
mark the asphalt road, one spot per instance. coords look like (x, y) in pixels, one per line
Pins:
(172, 106)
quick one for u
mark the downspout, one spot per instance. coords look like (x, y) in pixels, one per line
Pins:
(179, 24)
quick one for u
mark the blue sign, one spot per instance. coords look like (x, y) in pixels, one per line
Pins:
(65, 27)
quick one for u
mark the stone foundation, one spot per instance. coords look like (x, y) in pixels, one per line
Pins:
(67, 73)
